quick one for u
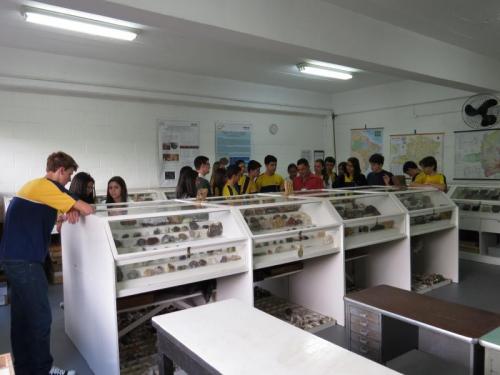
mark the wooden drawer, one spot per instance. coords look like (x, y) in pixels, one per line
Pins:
(365, 328)
(366, 351)
(364, 341)
(365, 314)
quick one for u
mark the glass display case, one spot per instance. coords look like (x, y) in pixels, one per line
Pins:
(430, 210)
(145, 195)
(479, 221)
(286, 229)
(297, 257)
(173, 244)
(140, 253)
(477, 201)
(167, 192)
(369, 218)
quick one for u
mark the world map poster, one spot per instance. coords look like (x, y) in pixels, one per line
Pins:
(477, 154)
(365, 143)
(415, 147)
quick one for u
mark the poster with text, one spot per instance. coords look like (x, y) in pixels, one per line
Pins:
(365, 143)
(415, 147)
(179, 144)
(477, 154)
(233, 141)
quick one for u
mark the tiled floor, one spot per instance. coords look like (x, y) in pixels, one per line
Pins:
(478, 287)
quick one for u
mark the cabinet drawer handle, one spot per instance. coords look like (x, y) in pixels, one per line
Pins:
(363, 315)
(363, 324)
(363, 332)
(363, 350)
(363, 341)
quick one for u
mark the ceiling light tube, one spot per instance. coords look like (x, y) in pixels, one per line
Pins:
(78, 24)
(322, 72)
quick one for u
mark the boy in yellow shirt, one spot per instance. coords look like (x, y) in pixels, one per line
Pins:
(231, 187)
(429, 175)
(270, 181)
(247, 182)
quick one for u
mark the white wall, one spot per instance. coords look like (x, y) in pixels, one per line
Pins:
(401, 108)
(118, 137)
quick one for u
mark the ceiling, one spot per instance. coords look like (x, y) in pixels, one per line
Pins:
(473, 25)
(174, 48)
(184, 47)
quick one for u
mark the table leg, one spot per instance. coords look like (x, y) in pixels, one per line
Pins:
(166, 365)
(476, 359)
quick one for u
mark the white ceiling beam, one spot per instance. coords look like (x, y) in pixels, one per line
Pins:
(324, 31)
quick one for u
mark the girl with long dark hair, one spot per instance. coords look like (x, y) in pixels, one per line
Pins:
(352, 176)
(83, 186)
(117, 190)
(186, 185)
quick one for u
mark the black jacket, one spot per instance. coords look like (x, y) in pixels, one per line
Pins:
(357, 181)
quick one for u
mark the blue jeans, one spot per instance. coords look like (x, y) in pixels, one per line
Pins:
(31, 317)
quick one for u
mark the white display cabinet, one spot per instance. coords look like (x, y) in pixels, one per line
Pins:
(138, 250)
(136, 195)
(376, 236)
(434, 237)
(297, 257)
(479, 221)
(369, 218)
(433, 220)
(167, 192)
(430, 210)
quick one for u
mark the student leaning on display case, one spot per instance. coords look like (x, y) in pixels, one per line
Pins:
(29, 221)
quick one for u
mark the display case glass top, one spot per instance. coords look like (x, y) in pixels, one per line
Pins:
(423, 199)
(137, 208)
(166, 243)
(136, 196)
(430, 210)
(477, 200)
(477, 193)
(249, 200)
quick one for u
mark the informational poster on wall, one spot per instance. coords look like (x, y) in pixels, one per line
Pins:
(415, 147)
(477, 155)
(233, 141)
(364, 143)
(179, 144)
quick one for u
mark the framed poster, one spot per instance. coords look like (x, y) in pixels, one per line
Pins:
(415, 147)
(364, 143)
(477, 155)
(179, 144)
(233, 141)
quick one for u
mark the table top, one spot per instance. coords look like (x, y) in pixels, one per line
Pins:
(491, 339)
(463, 322)
(234, 338)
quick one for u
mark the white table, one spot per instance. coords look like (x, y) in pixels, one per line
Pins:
(229, 337)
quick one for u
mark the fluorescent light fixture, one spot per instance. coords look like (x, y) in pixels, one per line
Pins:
(323, 64)
(322, 72)
(78, 24)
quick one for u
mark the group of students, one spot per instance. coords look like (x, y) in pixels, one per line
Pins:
(31, 214)
(239, 179)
